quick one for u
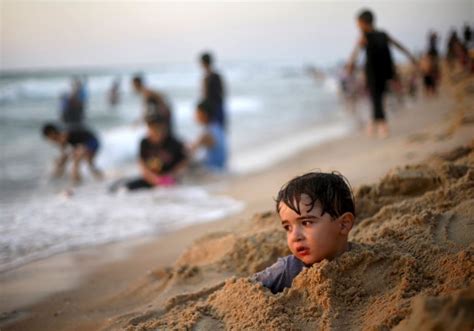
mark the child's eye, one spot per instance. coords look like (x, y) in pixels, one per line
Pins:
(307, 223)
(287, 228)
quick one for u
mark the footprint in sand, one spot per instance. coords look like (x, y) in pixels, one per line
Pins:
(456, 225)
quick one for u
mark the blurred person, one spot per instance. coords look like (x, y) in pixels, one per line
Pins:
(379, 67)
(162, 157)
(154, 102)
(80, 145)
(73, 105)
(429, 70)
(467, 34)
(213, 89)
(429, 66)
(114, 93)
(213, 140)
(453, 40)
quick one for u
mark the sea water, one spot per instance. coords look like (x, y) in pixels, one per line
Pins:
(275, 110)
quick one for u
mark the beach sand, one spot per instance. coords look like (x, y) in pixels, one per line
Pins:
(412, 266)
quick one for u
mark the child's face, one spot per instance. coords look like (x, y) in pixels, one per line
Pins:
(55, 138)
(156, 132)
(363, 26)
(201, 117)
(313, 237)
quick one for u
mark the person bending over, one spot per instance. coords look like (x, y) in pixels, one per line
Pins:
(79, 144)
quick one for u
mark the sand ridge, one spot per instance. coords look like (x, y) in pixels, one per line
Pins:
(411, 267)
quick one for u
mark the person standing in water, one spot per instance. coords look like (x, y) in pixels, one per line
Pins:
(213, 90)
(379, 67)
(155, 103)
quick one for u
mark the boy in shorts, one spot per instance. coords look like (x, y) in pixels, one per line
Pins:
(317, 212)
(77, 144)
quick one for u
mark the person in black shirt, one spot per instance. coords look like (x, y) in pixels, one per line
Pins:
(162, 157)
(79, 144)
(213, 90)
(379, 67)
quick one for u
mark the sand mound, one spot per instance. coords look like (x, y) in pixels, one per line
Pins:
(412, 265)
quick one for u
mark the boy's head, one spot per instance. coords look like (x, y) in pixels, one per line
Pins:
(206, 60)
(204, 112)
(52, 132)
(317, 212)
(157, 127)
(137, 82)
(365, 20)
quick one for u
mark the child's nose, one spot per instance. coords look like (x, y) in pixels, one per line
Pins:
(297, 234)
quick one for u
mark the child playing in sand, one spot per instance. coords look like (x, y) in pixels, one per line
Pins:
(162, 156)
(80, 144)
(317, 212)
(213, 139)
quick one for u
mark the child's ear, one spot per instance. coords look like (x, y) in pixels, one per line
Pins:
(346, 222)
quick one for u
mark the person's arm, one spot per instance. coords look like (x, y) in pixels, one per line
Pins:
(206, 140)
(60, 162)
(355, 54)
(149, 176)
(272, 277)
(403, 49)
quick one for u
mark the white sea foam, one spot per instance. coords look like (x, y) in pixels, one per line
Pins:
(52, 224)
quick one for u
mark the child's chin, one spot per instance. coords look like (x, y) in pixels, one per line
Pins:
(309, 260)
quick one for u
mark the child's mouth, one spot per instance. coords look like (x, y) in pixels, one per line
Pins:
(302, 251)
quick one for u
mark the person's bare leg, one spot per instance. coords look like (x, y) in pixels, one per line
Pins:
(382, 129)
(92, 167)
(370, 128)
(78, 155)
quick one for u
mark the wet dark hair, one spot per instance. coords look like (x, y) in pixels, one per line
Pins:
(152, 118)
(206, 58)
(50, 128)
(332, 190)
(138, 79)
(366, 16)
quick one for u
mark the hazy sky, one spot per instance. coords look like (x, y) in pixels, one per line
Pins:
(40, 34)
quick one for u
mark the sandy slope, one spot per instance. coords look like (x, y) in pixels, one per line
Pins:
(414, 248)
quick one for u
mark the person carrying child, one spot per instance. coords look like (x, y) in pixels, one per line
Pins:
(78, 144)
(317, 211)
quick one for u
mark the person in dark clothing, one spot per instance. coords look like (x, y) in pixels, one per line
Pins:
(162, 157)
(213, 90)
(429, 66)
(79, 144)
(467, 33)
(379, 67)
(451, 46)
(155, 103)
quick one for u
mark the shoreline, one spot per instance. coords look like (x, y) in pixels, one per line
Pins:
(87, 273)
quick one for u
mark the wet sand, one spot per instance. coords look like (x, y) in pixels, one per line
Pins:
(178, 280)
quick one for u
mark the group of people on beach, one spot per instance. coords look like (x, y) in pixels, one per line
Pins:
(379, 73)
(162, 156)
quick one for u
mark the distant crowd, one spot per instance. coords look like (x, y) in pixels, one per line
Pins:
(163, 158)
(379, 75)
